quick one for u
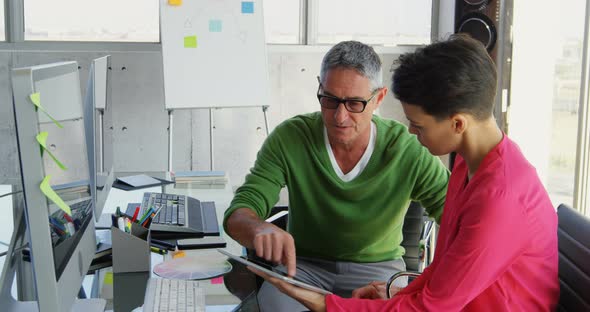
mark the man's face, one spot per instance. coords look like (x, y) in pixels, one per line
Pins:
(438, 136)
(345, 127)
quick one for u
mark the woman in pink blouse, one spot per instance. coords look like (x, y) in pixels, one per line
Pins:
(497, 246)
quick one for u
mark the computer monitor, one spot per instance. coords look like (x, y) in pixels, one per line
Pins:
(98, 113)
(62, 244)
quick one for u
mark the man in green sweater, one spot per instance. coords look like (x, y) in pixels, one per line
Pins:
(350, 176)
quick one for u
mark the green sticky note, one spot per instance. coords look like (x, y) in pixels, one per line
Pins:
(190, 41)
(52, 195)
(42, 139)
(36, 99)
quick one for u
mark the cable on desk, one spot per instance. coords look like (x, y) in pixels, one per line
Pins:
(11, 193)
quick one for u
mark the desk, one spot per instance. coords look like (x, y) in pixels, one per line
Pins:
(215, 294)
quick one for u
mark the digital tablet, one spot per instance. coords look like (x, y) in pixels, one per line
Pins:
(275, 274)
(199, 243)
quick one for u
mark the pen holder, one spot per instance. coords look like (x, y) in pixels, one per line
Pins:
(131, 251)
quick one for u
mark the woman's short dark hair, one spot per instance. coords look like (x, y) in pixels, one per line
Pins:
(447, 77)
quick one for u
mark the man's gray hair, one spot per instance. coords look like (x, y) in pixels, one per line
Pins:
(354, 55)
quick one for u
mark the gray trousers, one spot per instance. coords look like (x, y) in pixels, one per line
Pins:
(341, 278)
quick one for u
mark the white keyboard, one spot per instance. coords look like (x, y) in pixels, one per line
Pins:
(172, 295)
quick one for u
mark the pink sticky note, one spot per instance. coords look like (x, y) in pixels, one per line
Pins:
(217, 280)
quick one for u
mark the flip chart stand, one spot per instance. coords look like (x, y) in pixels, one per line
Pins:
(211, 162)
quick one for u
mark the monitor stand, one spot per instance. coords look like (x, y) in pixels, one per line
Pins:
(9, 304)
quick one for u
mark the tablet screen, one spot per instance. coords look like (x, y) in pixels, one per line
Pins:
(275, 274)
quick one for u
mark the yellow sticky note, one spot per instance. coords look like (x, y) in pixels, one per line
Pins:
(36, 99)
(178, 254)
(108, 278)
(52, 195)
(42, 139)
(174, 2)
(190, 41)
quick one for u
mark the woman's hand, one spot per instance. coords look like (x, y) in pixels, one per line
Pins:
(375, 290)
(311, 299)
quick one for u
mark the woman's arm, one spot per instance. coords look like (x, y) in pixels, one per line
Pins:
(490, 236)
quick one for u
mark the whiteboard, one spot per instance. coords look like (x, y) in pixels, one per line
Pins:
(214, 54)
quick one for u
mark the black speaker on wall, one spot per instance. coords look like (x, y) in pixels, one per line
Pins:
(480, 19)
(490, 21)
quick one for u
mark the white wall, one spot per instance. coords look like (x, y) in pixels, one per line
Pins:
(140, 120)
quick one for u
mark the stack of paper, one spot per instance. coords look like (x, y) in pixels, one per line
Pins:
(201, 177)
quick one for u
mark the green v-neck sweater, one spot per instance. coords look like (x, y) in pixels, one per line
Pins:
(358, 221)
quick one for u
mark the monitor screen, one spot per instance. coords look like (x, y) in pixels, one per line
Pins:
(56, 179)
(68, 145)
(98, 113)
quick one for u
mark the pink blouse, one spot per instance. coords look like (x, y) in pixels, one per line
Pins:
(497, 246)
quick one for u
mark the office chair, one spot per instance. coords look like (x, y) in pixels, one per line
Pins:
(416, 232)
(573, 236)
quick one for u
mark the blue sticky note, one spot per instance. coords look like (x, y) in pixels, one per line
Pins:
(247, 7)
(215, 25)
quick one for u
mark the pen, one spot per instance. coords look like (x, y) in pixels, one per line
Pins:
(118, 212)
(145, 215)
(68, 218)
(158, 250)
(135, 214)
(146, 223)
(57, 224)
(57, 230)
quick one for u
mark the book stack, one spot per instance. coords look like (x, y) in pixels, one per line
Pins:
(210, 179)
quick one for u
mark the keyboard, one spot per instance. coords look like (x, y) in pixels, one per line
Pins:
(171, 207)
(178, 215)
(167, 295)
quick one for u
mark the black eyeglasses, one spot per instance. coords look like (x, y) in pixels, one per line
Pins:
(351, 105)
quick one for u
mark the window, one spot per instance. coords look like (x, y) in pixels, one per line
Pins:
(374, 21)
(281, 21)
(379, 22)
(88, 20)
(566, 98)
(2, 22)
(545, 90)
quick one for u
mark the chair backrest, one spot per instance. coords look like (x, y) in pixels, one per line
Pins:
(283, 220)
(573, 236)
(415, 237)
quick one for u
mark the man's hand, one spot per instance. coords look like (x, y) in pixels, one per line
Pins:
(375, 290)
(275, 245)
(312, 300)
(269, 241)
